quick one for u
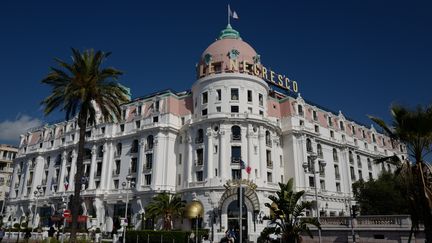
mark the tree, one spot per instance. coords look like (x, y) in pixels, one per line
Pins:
(288, 212)
(84, 87)
(382, 196)
(414, 129)
(167, 207)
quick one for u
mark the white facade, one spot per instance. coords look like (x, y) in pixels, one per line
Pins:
(193, 143)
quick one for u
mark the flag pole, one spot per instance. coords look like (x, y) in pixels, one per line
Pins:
(229, 10)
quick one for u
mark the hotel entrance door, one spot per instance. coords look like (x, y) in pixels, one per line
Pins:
(233, 220)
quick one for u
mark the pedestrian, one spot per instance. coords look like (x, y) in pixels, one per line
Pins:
(2, 233)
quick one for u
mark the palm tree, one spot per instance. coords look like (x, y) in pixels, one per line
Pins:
(414, 129)
(84, 87)
(288, 214)
(167, 207)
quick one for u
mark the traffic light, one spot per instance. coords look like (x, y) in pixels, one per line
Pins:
(355, 210)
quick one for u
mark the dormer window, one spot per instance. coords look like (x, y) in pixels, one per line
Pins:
(300, 110)
(314, 116)
(341, 125)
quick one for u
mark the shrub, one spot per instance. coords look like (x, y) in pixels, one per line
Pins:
(166, 236)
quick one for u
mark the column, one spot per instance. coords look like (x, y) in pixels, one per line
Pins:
(189, 160)
(141, 159)
(61, 182)
(262, 155)
(156, 164)
(72, 171)
(209, 151)
(250, 148)
(224, 164)
(92, 167)
(106, 175)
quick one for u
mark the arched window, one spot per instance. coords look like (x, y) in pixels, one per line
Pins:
(268, 138)
(309, 145)
(335, 155)
(236, 133)
(319, 151)
(118, 149)
(134, 147)
(199, 136)
(150, 142)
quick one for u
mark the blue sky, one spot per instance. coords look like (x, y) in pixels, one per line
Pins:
(354, 56)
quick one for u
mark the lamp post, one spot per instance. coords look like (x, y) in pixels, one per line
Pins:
(37, 194)
(313, 170)
(127, 185)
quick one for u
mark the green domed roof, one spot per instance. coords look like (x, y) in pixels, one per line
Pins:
(229, 33)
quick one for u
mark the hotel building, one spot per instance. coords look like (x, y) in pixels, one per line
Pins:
(193, 143)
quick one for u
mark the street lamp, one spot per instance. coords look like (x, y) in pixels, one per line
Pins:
(37, 193)
(127, 185)
(312, 169)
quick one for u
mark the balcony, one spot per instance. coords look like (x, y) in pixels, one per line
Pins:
(270, 164)
(236, 137)
(199, 162)
(199, 140)
(235, 160)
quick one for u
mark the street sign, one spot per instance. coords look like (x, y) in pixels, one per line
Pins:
(66, 213)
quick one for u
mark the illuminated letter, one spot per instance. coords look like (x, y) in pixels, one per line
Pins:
(201, 72)
(280, 80)
(287, 85)
(210, 68)
(272, 73)
(295, 86)
(245, 65)
(233, 65)
(256, 71)
(264, 73)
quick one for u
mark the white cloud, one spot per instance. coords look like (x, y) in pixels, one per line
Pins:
(11, 130)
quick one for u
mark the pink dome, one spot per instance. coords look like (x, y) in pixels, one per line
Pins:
(228, 46)
(220, 49)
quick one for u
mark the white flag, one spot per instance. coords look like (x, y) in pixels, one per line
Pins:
(232, 14)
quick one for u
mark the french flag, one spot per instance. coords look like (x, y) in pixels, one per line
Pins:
(245, 166)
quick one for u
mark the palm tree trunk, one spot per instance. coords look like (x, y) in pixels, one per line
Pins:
(76, 200)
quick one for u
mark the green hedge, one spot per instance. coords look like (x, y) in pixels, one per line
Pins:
(167, 236)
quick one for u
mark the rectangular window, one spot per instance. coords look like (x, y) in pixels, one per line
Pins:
(148, 179)
(269, 159)
(316, 128)
(234, 109)
(234, 94)
(139, 110)
(179, 179)
(149, 161)
(331, 134)
(250, 110)
(204, 112)
(204, 98)
(370, 176)
(180, 159)
(322, 184)
(200, 156)
(235, 174)
(219, 95)
(137, 124)
(116, 184)
(261, 99)
(330, 122)
(353, 177)
(249, 95)
(122, 126)
(157, 105)
(341, 125)
(155, 119)
(199, 176)
(337, 175)
(235, 154)
(338, 187)
(117, 169)
(311, 181)
(218, 109)
(314, 115)
(360, 175)
(269, 177)
(134, 164)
